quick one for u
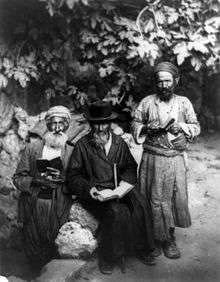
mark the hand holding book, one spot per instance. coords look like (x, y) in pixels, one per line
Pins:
(118, 193)
(50, 170)
(153, 129)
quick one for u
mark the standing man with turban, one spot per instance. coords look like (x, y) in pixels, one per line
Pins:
(165, 123)
(43, 204)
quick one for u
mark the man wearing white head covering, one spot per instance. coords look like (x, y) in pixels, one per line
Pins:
(43, 204)
(165, 123)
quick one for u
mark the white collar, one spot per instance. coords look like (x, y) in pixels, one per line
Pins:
(108, 144)
(50, 153)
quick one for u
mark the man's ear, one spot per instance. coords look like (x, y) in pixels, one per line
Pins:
(176, 81)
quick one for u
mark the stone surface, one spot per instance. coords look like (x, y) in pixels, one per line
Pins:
(74, 241)
(79, 215)
(8, 220)
(60, 270)
(15, 279)
(3, 279)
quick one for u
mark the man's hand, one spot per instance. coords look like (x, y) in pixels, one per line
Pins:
(44, 182)
(174, 128)
(180, 142)
(94, 193)
(146, 130)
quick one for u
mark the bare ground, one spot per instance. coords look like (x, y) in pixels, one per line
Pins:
(199, 244)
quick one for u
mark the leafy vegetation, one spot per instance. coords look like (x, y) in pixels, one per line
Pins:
(69, 46)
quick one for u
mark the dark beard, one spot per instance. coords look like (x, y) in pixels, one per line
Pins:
(101, 138)
(165, 95)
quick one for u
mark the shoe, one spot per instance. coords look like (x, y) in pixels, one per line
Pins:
(147, 259)
(170, 250)
(157, 250)
(122, 264)
(105, 267)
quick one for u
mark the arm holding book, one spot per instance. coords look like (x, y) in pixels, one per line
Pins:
(118, 193)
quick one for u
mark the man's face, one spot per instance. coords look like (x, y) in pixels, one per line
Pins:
(57, 125)
(101, 132)
(101, 128)
(56, 137)
(165, 85)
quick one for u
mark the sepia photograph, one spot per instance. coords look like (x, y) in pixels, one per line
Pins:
(109, 140)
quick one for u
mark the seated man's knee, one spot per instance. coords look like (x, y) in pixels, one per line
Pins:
(113, 209)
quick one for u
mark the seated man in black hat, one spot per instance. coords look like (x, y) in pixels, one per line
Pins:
(102, 173)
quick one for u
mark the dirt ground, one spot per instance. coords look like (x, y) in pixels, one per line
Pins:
(199, 244)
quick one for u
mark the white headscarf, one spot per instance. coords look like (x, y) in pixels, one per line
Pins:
(58, 111)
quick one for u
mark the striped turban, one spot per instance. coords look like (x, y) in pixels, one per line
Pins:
(58, 111)
(168, 67)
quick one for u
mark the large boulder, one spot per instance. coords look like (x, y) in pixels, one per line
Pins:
(9, 227)
(76, 238)
(74, 241)
(79, 215)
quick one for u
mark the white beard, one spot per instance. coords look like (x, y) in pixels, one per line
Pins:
(56, 141)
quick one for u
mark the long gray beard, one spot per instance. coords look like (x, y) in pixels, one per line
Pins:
(56, 141)
(101, 138)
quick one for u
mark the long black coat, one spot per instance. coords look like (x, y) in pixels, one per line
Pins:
(125, 224)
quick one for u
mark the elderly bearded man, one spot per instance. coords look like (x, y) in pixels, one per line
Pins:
(43, 205)
(164, 123)
(101, 160)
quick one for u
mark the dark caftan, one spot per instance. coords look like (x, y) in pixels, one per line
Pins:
(125, 225)
(42, 213)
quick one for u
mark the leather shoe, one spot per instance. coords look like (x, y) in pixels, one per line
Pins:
(157, 251)
(147, 259)
(105, 267)
(170, 250)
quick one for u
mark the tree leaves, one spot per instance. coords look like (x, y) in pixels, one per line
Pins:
(3, 81)
(187, 30)
(196, 63)
(71, 3)
(198, 46)
(182, 52)
(95, 33)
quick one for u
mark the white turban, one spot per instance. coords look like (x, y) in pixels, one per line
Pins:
(58, 111)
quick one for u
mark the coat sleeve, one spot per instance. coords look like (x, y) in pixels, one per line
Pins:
(76, 182)
(138, 123)
(191, 125)
(128, 166)
(22, 178)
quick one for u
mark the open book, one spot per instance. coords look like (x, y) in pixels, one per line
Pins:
(117, 193)
(167, 123)
(43, 165)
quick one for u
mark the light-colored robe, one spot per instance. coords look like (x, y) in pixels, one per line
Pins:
(162, 173)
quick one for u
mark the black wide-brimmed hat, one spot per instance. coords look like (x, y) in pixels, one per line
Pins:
(100, 111)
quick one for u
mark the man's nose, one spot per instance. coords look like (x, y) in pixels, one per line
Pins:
(57, 128)
(164, 84)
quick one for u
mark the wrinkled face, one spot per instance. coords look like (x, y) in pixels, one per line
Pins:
(56, 137)
(101, 132)
(57, 125)
(100, 128)
(165, 85)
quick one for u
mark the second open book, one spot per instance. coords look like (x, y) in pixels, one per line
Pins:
(117, 193)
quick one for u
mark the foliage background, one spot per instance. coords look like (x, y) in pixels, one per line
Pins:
(80, 48)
